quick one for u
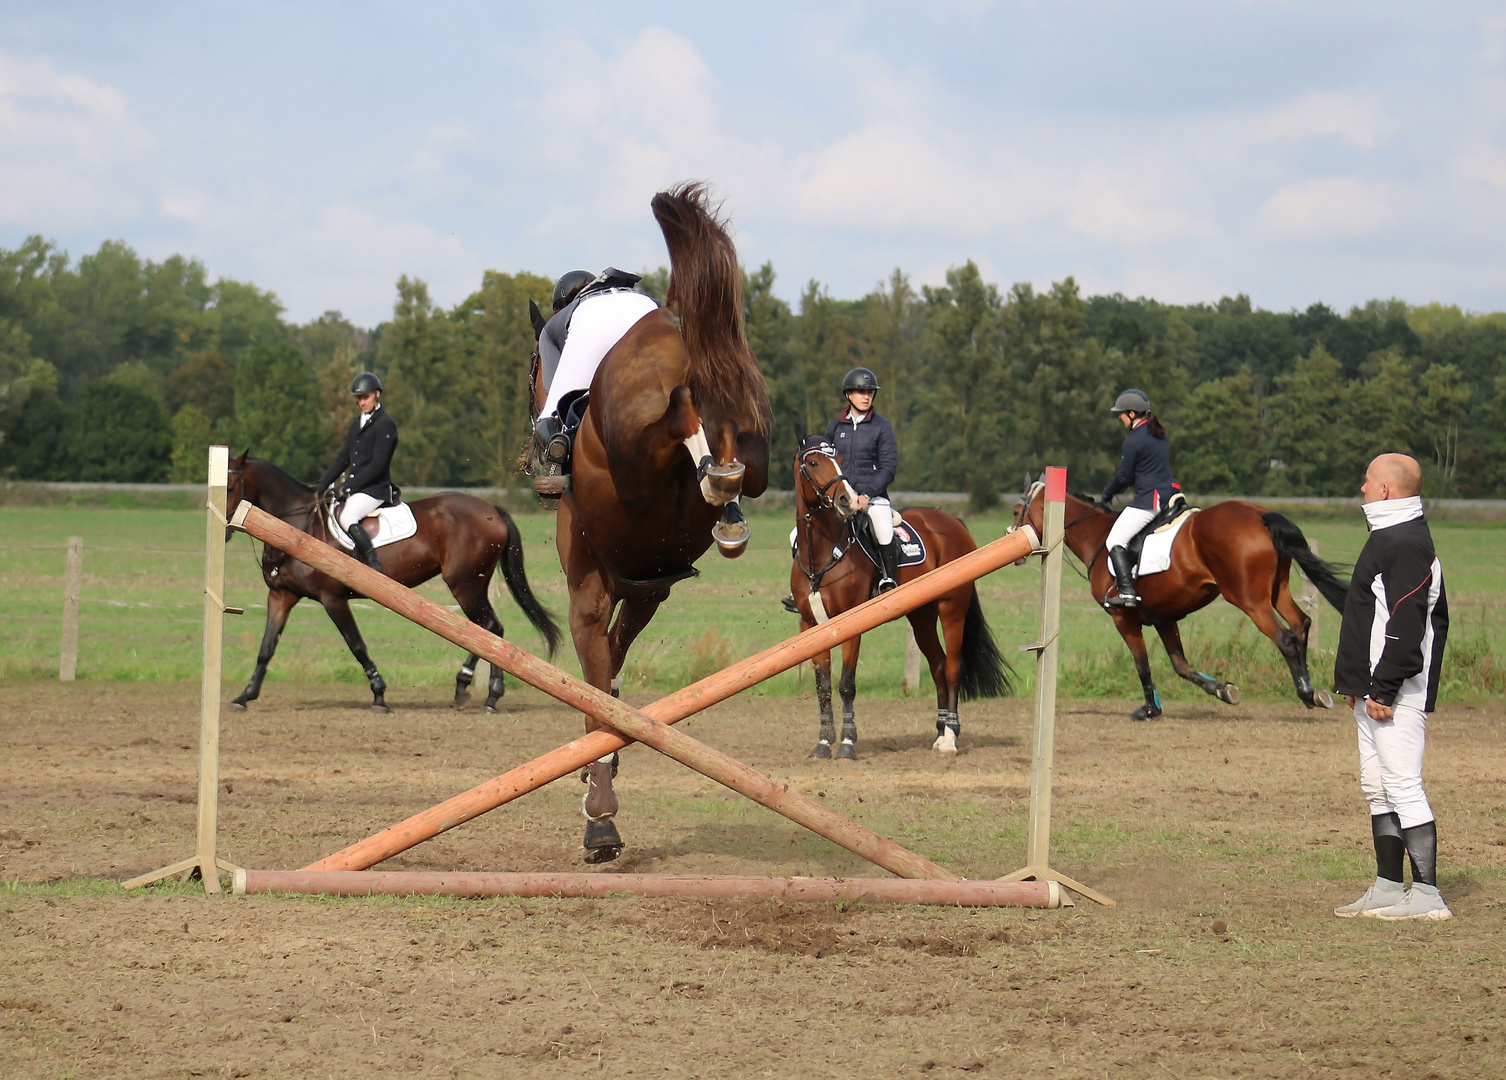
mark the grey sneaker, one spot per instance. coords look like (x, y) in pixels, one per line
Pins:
(1421, 902)
(1381, 894)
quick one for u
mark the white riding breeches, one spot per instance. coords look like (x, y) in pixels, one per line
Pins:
(598, 323)
(881, 516)
(1129, 522)
(1391, 763)
(356, 507)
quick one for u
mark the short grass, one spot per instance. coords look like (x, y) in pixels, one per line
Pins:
(141, 613)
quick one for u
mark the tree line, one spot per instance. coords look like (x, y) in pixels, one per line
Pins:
(115, 368)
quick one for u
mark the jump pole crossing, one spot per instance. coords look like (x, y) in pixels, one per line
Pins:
(629, 722)
(580, 752)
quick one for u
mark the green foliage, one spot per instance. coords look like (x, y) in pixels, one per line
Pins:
(205, 380)
(117, 431)
(1302, 416)
(1219, 438)
(192, 434)
(277, 409)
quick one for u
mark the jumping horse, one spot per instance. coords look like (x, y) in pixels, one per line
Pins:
(829, 577)
(460, 538)
(676, 428)
(1233, 549)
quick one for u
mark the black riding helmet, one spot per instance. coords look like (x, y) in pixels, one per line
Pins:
(859, 378)
(365, 383)
(568, 285)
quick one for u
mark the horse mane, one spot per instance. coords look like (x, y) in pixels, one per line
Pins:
(706, 294)
(1092, 500)
(278, 476)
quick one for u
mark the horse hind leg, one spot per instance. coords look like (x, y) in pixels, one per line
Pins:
(1171, 637)
(1301, 625)
(1290, 645)
(279, 606)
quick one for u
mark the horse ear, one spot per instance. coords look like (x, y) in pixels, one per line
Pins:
(799, 433)
(536, 317)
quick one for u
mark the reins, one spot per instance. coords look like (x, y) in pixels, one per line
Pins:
(823, 503)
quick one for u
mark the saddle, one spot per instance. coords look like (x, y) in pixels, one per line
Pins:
(1151, 547)
(912, 549)
(385, 525)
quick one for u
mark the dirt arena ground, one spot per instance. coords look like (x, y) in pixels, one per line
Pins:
(1226, 835)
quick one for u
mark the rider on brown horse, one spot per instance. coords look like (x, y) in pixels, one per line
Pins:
(1146, 466)
(865, 441)
(367, 454)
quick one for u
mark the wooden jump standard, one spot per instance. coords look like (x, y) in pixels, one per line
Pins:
(651, 724)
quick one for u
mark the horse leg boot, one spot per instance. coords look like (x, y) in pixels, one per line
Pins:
(1123, 564)
(828, 735)
(463, 679)
(364, 551)
(602, 842)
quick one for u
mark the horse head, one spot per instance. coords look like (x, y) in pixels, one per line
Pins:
(819, 479)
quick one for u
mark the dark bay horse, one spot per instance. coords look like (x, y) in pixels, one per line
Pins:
(829, 565)
(639, 512)
(460, 537)
(1232, 549)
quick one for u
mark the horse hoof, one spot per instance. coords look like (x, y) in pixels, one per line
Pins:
(731, 538)
(1324, 699)
(946, 742)
(1145, 713)
(822, 750)
(602, 842)
(1229, 694)
(236, 706)
(380, 709)
(488, 710)
(462, 697)
(723, 483)
(847, 751)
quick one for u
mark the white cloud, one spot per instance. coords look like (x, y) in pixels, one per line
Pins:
(1355, 117)
(1324, 208)
(1122, 207)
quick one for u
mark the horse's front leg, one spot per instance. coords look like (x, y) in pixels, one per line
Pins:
(339, 614)
(1171, 637)
(1133, 633)
(279, 607)
(821, 662)
(632, 617)
(847, 750)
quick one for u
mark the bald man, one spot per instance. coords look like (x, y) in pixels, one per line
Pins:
(1390, 653)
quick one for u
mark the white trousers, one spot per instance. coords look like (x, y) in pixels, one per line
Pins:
(356, 507)
(1391, 763)
(1130, 522)
(598, 324)
(881, 515)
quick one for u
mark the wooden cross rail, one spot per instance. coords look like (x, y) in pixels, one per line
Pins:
(651, 724)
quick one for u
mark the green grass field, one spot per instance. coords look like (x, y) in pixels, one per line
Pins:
(141, 613)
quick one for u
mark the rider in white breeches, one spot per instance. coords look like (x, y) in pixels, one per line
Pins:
(598, 323)
(1146, 467)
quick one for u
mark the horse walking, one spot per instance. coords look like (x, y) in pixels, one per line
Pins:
(460, 537)
(1233, 549)
(679, 388)
(830, 576)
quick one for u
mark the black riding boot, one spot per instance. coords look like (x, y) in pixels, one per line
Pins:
(364, 551)
(888, 565)
(1123, 565)
(552, 454)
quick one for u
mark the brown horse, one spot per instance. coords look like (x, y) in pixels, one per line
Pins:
(827, 567)
(641, 508)
(461, 538)
(1232, 549)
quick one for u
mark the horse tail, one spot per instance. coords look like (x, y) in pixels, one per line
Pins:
(706, 294)
(1292, 544)
(985, 672)
(517, 584)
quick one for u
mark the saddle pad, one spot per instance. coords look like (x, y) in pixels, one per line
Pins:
(1155, 555)
(912, 549)
(394, 523)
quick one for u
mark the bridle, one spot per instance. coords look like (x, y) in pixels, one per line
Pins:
(1023, 516)
(823, 503)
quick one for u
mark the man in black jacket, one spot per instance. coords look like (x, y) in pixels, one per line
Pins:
(367, 453)
(1390, 652)
(870, 455)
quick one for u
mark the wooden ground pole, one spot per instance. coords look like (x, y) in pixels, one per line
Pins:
(651, 724)
(205, 858)
(1046, 649)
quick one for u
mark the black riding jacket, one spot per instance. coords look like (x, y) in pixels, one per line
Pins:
(367, 453)
(1146, 466)
(870, 453)
(1395, 620)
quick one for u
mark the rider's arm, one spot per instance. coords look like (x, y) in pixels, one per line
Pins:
(1126, 474)
(381, 457)
(888, 455)
(338, 466)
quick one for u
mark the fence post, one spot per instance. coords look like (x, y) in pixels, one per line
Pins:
(912, 662)
(73, 587)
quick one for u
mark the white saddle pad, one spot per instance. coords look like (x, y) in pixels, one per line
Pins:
(394, 523)
(1155, 556)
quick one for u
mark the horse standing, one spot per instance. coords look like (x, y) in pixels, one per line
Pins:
(1233, 549)
(641, 509)
(460, 537)
(826, 568)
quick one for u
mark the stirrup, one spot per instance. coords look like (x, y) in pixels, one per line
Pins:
(886, 583)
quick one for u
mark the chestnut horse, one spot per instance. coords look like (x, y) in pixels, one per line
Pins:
(827, 566)
(460, 537)
(1232, 549)
(641, 508)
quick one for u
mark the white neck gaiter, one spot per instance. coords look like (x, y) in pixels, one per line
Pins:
(1388, 512)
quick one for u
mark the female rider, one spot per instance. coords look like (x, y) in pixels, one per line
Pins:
(865, 440)
(1146, 466)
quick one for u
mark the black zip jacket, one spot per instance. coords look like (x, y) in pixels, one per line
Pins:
(367, 453)
(1146, 466)
(1395, 620)
(870, 453)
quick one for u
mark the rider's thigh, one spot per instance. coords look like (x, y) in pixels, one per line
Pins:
(357, 507)
(882, 517)
(1131, 520)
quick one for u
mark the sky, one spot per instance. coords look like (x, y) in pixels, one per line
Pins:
(1299, 152)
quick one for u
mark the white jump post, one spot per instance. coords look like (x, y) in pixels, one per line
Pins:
(205, 859)
(1046, 649)
(73, 587)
